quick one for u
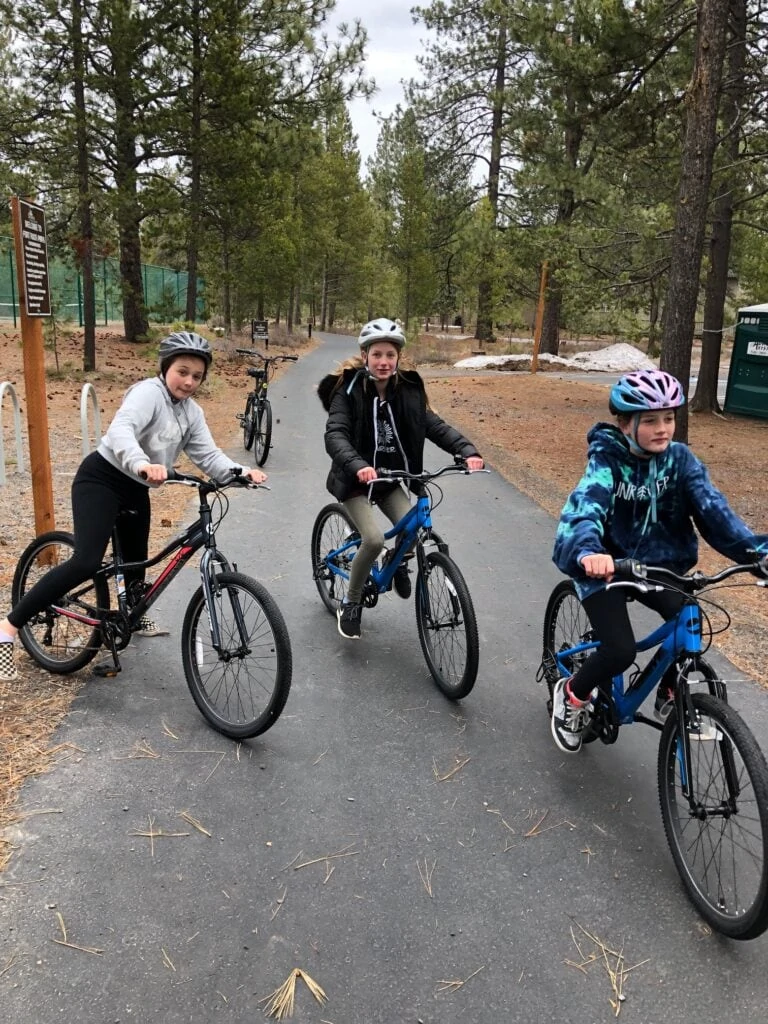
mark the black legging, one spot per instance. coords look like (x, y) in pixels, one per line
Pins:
(608, 614)
(99, 493)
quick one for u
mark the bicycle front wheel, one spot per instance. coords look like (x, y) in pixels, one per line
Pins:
(56, 642)
(242, 688)
(249, 425)
(447, 627)
(566, 624)
(333, 529)
(263, 432)
(719, 840)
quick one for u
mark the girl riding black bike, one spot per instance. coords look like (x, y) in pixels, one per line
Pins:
(157, 420)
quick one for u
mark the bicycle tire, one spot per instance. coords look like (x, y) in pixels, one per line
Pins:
(722, 857)
(333, 527)
(249, 426)
(447, 626)
(242, 693)
(263, 432)
(565, 625)
(54, 641)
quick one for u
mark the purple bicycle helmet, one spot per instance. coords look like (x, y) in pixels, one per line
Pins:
(644, 391)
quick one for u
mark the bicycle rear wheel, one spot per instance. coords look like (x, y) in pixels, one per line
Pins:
(242, 689)
(263, 432)
(446, 624)
(249, 426)
(720, 841)
(566, 624)
(333, 528)
(52, 639)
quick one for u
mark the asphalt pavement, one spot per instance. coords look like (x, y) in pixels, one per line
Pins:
(421, 861)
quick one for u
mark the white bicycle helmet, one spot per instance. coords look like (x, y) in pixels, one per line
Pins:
(381, 330)
(183, 343)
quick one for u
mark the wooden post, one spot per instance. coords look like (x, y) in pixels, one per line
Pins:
(539, 316)
(35, 390)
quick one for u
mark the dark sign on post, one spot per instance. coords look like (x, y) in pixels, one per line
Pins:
(260, 332)
(34, 258)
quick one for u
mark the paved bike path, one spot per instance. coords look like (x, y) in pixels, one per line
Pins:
(420, 860)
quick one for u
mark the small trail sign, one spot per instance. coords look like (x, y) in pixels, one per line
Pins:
(260, 331)
(34, 259)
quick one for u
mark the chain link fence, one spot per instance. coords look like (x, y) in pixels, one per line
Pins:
(165, 290)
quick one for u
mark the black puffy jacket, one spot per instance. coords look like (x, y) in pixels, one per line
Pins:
(349, 432)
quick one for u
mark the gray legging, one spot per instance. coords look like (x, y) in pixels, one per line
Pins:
(394, 504)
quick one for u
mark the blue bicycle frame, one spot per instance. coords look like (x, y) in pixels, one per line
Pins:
(676, 639)
(417, 518)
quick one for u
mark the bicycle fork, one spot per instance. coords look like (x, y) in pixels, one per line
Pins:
(212, 591)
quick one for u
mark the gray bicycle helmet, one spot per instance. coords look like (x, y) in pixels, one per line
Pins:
(381, 330)
(183, 343)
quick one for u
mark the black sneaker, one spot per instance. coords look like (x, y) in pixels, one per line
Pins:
(401, 581)
(348, 617)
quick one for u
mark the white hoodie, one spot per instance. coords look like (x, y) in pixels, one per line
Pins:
(151, 427)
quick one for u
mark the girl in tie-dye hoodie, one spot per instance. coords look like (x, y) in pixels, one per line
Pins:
(642, 496)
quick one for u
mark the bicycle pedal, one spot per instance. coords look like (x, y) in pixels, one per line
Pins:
(106, 670)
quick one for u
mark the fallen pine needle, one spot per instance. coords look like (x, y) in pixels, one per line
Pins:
(186, 816)
(64, 941)
(154, 834)
(426, 873)
(167, 960)
(168, 731)
(611, 960)
(454, 986)
(282, 999)
(346, 852)
(452, 772)
(279, 901)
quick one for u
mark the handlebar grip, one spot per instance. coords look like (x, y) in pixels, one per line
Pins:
(630, 568)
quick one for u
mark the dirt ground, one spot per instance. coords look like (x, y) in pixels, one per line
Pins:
(530, 428)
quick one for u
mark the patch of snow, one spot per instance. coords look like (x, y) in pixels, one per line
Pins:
(617, 358)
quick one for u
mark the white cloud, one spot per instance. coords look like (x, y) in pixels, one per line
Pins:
(393, 43)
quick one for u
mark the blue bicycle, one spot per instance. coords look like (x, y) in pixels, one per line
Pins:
(712, 775)
(445, 616)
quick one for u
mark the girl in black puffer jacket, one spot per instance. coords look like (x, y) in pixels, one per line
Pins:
(378, 418)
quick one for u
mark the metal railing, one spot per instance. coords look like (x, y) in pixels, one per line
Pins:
(88, 396)
(7, 388)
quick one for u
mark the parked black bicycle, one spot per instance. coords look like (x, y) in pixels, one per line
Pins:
(234, 642)
(257, 418)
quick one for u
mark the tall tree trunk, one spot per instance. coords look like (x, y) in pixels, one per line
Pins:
(716, 288)
(484, 327)
(84, 248)
(324, 296)
(195, 171)
(691, 213)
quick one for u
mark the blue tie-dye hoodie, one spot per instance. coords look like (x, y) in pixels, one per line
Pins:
(645, 508)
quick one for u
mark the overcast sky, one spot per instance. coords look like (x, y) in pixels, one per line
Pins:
(393, 42)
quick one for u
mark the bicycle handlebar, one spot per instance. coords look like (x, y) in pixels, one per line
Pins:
(209, 486)
(426, 475)
(636, 574)
(265, 359)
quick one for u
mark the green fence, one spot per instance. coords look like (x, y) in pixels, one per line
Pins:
(165, 290)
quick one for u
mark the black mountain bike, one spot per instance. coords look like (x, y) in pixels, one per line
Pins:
(257, 418)
(234, 642)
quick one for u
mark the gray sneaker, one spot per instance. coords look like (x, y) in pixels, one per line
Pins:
(348, 617)
(569, 720)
